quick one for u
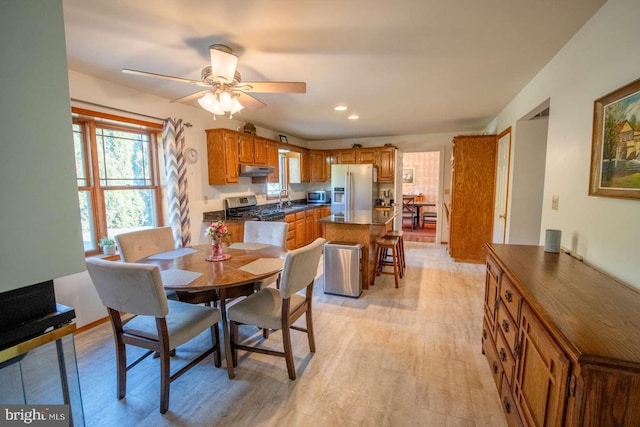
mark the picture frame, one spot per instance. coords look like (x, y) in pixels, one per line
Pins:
(615, 145)
(283, 139)
(408, 175)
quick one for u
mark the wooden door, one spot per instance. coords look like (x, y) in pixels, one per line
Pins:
(346, 157)
(542, 373)
(491, 292)
(260, 151)
(273, 160)
(502, 186)
(305, 166)
(246, 148)
(301, 238)
(385, 162)
(366, 156)
(318, 159)
(231, 156)
(309, 226)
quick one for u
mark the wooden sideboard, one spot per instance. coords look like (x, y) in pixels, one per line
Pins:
(562, 340)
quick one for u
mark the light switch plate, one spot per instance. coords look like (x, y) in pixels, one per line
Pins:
(555, 200)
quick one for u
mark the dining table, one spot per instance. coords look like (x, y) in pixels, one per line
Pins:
(187, 270)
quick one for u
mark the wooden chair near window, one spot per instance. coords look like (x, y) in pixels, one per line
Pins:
(409, 210)
(159, 325)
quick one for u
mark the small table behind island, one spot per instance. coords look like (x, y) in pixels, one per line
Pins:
(362, 227)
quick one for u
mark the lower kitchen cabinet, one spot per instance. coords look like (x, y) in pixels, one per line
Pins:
(562, 340)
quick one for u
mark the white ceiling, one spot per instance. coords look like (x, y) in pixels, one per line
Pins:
(405, 66)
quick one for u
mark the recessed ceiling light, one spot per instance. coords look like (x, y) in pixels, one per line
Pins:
(341, 108)
(353, 117)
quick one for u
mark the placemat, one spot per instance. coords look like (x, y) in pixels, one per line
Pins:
(173, 254)
(263, 265)
(175, 277)
(248, 246)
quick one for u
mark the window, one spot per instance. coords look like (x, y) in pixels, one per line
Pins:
(117, 174)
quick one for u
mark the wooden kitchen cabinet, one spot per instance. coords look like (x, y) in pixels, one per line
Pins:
(310, 226)
(386, 164)
(291, 233)
(564, 347)
(236, 229)
(252, 149)
(346, 157)
(318, 165)
(301, 228)
(273, 160)
(305, 166)
(472, 196)
(222, 156)
(366, 156)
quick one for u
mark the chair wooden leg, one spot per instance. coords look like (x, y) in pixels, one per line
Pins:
(233, 326)
(121, 361)
(215, 342)
(165, 381)
(310, 336)
(288, 352)
(265, 333)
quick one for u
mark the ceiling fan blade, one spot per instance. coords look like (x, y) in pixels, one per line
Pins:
(223, 62)
(276, 87)
(162, 76)
(250, 102)
(191, 97)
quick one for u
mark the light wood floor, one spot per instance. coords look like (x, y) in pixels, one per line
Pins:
(393, 357)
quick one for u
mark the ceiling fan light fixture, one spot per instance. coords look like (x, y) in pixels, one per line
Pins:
(223, 62)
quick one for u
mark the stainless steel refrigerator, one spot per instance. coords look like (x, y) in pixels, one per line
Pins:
(353, 187)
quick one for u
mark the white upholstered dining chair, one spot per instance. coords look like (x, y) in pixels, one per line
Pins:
(267, 232)
(159, 325)
(140, 244)
(272, 308)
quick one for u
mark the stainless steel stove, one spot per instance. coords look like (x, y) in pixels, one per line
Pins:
(246, 208)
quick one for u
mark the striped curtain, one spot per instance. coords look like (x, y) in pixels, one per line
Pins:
(176, 170)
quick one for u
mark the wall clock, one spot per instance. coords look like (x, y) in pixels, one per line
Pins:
(192, 155)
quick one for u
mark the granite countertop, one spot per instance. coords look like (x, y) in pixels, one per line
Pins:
(362, 217)
(287, 209)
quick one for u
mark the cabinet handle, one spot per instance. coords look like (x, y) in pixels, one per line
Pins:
(505, 326)
(508, 296)
(484, 334)
(495, 368)
(503, 355)
(506, 405)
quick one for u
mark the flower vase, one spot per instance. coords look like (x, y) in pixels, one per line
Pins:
(217, 253)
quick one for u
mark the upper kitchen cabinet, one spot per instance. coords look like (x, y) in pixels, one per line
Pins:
(346, 157)
(318, 166)
(366, 156)
(222, 156)
(305, 165)
(385, 162)
(273, 161)
(472, 196)
(252, 149)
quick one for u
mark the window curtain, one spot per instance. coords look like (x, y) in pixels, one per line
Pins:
(176, 171)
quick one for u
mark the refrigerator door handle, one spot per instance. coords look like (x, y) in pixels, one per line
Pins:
(347, 192)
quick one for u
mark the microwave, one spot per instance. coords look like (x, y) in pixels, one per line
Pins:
(317, 197)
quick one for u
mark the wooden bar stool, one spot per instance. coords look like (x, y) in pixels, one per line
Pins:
(399, 234)
(383, 245)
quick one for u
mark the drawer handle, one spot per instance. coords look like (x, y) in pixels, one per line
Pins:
(508, 296)
(495, 368)
(506, 405)
(503, 355)
(505, 326)
(484, 334)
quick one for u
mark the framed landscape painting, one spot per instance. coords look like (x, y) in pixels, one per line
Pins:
(615, 147)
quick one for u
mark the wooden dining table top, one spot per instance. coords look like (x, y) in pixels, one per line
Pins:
(218, 274)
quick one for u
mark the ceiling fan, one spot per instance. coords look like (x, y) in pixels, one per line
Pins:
(225, 91)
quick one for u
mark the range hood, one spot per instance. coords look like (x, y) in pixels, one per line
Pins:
(255, 170)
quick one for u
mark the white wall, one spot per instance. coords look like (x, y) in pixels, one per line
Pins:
(527, 185)
(599, 59)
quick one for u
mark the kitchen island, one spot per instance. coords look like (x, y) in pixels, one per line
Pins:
(362, 227)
